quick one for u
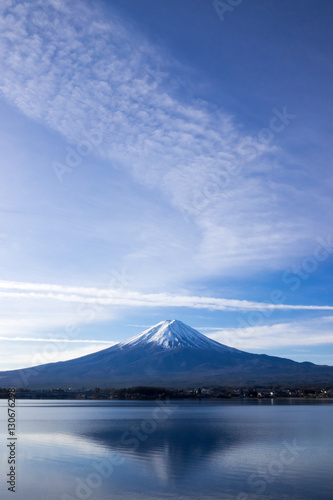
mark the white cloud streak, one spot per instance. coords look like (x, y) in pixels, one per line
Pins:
(313, 332)
(107, 297)
(78, 341)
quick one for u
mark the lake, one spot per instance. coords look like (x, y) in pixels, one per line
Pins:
(136, 450)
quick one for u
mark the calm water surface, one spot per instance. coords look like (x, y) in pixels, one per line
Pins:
(225, 450)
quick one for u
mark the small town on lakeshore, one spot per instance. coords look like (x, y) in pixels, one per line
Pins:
(151, 393)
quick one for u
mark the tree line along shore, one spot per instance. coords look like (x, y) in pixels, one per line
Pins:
(151, 393)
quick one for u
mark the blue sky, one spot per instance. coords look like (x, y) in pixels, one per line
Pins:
(165, 160)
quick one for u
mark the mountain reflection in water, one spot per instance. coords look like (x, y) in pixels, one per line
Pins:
(210, 450)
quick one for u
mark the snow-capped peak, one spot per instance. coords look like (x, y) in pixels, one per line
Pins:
(173, 333)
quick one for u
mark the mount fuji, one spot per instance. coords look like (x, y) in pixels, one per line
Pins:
(170, 354)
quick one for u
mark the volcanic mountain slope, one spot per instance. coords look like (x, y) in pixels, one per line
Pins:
(169, 354)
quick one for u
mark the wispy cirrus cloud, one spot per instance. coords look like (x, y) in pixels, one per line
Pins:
(295, 333)
(66, 66)
(50, 339)
(120, 298)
